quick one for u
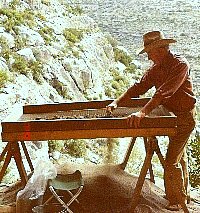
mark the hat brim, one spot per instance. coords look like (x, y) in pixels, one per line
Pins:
(156, 44)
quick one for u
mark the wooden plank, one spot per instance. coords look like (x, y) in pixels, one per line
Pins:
(97, 104)
(27, 156)
(6, 162)
(128, 153)
(141, 178)
(85, 124)
(18, 160)
(84, 134)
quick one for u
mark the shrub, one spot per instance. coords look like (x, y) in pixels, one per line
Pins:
(76, 148)
(73, 35)
(55, 145)
(75, 10)
(14, 3)
(117, 85)
(194, 150)
(36, 68)
(46, 2)
(122, 56)
(47, 34)
(17, 18)
(3, 78)
(60, 88)
(20, 65)
(5, 50)
(131, 69)
(20, 42)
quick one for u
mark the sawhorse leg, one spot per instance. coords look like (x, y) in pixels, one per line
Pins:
(12, 149)
(142, 175)
(128, 153)
(152, 179)
(151, 146)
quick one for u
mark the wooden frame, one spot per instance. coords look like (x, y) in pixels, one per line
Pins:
(21, 127)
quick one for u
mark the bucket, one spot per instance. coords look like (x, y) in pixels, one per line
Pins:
(48, 208)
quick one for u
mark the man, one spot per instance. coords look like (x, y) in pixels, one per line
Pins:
(170, 76)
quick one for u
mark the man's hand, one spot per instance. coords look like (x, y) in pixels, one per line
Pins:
(111, 107)
(135, 118)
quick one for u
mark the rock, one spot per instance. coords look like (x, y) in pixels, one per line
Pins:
(27, 53)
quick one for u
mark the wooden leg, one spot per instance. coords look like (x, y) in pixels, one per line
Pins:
(18, 159)
(158, 152)
(147, 145)
(27, 155)
(141, 178)
(7, 160)
(12, 150)
(128, 152)
(4, 152)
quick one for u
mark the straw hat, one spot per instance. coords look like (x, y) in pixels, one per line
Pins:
(155, 39)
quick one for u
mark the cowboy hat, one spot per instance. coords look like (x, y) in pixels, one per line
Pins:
(153, 40)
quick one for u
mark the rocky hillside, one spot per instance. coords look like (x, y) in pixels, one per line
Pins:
(52, 52)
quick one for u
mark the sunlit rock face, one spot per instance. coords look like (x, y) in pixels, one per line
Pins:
(53, 54)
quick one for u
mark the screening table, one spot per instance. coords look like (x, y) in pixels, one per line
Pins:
(84, 120)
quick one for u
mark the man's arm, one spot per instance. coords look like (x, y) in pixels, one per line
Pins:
(135, 91)
(174, 81)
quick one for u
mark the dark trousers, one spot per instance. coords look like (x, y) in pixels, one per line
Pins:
(175, 183)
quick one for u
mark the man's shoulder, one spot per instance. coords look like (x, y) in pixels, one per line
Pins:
(179, 59)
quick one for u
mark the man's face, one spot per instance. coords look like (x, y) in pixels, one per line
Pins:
(156, 55)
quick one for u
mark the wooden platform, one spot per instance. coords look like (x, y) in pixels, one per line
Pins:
(56, 122)
(31, 124)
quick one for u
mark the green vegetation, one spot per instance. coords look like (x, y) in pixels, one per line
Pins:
(122, 56)
(56, 145)
(117, 85)
(20, 42)
(75, 10)
(194, 150)
(47, 34)
(73, 35)
(40, 16)
(75, 148)
(130, 69)
(36, 68)
(17, 18)
(76, 54)
(60, 88)
(4, 78)
(22, 66)
(5, 50)
(46, 2)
